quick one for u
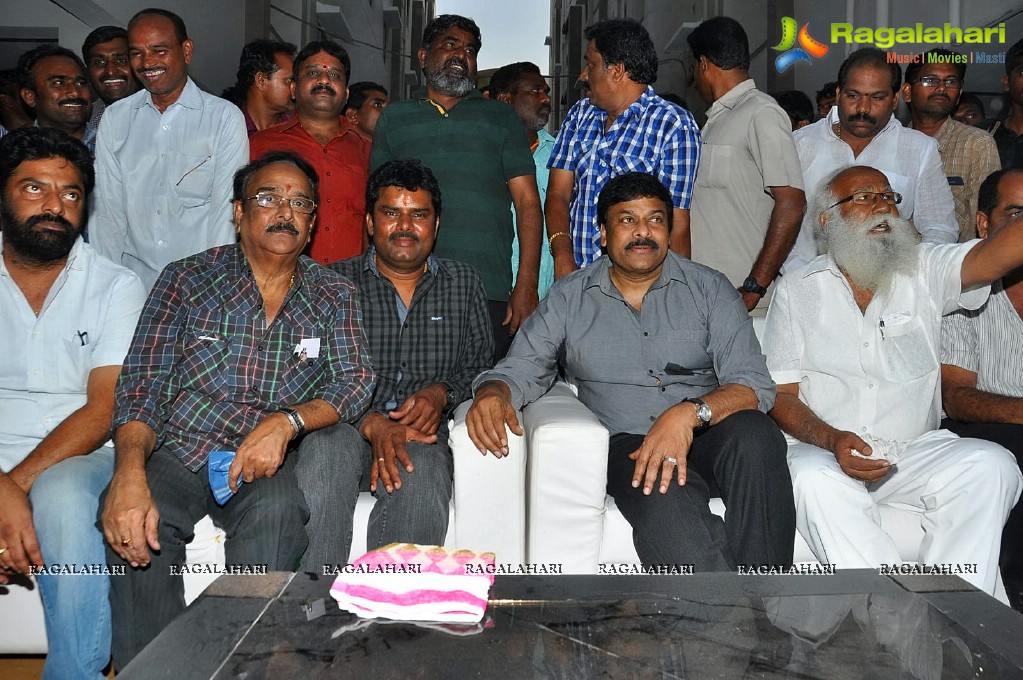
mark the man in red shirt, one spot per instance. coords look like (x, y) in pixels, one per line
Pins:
(321, 135)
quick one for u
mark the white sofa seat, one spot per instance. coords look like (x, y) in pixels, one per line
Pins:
(570, 518)
(487, 512)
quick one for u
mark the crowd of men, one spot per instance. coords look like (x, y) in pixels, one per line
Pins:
(260, 282)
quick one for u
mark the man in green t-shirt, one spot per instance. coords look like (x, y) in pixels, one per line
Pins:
(476, 149)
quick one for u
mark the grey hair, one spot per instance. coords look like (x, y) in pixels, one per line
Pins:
(823, 203)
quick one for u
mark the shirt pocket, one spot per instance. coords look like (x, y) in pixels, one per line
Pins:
(73, 364)
(715, 165)
(204, 362)
(193, 176)
(303, 377)
(681, 357)
(908, 355)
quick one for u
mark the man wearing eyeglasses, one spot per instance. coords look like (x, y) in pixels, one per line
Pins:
(862, 130)
(852, 340)
(323, 137)
(968, 154)
(165, 157)
(242, 348)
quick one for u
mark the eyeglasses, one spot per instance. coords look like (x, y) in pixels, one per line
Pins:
(951, 83)
(300, 205)
(870, 197)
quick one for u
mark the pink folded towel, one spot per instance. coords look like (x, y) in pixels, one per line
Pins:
(410, 582)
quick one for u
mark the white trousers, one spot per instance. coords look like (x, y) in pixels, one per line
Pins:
(963, 490)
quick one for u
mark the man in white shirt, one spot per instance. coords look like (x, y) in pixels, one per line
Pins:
(982, 367)
(165, 157)
(66, 320)
(852, 341)
(861, 129)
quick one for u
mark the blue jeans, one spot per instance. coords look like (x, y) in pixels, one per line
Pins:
(65, 504)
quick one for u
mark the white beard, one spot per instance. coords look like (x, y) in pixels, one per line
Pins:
(870, 260)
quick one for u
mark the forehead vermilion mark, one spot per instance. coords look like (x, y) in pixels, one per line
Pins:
(406, 200)
(287, 187)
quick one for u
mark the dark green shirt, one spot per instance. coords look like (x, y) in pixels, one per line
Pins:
(473, 149)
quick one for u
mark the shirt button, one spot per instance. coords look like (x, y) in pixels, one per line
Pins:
(663, 388)
(866, 344)
(404, 364)
(863, 429)
(159, 212)
(653, 418)
(163, 155)
(405, 325)
(645, 334)
(870, 386)
(650, 371)
(166, 127)
(328, 174)
(327, 228)
(159, 243)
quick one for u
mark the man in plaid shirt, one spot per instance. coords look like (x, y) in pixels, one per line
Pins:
(240, 348)
(429, 334)
(623, 126)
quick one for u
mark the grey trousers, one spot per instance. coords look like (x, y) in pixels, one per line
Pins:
(334, 465)
(263, 523)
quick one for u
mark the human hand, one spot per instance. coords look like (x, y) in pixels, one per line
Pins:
(864, 469)
(130, 518)
(521, 303)
(17, 531)
(749, 299)
(490, 412)
(388, 440)
(422, 410)
(564, 264)
(664, 449)
(262, 451)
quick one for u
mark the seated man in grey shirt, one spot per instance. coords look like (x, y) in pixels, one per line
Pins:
(663, 352)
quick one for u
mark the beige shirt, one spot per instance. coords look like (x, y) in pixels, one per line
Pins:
(968, 154)
(747, 147)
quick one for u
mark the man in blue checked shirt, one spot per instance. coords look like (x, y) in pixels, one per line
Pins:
(623, 126)
(243, 348)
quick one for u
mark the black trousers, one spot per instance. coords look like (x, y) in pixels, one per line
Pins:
(742, 459)
(1011, 437)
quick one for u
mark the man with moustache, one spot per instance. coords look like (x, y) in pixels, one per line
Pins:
(477, 151)
(66, 319)
(53, 83)
(366, 101)
(165, 157)
(241, 348)
(105, 52)
(663, 352)
(622, 126)
(862, 129)
(852, 341)
(523, 86)
(428, 332)
(982, 370)
(323, 137)
(968, 154)
(263, 86)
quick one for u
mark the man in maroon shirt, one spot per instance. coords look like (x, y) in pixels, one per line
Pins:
(321, 135)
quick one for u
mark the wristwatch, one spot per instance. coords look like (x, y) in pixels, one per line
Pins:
(703, 412)
(751, 285)
(295, 418)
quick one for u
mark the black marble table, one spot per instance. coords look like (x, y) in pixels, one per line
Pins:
(856, 624)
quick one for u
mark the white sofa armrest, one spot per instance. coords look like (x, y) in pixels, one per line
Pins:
(489, 495)
(567, 481)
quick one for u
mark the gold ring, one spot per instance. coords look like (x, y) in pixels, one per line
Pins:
(125, 541)
(3, 550)
(380, 459)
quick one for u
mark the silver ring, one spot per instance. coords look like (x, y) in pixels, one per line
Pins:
(669, 459)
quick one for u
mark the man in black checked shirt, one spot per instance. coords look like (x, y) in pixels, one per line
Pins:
(429, 335)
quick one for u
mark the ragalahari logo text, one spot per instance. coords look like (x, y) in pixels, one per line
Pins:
(808, 47)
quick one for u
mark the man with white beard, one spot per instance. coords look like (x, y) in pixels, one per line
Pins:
(852, 341)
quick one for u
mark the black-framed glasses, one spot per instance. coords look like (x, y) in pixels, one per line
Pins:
(870, 197)
(951, 83)
(300, 205)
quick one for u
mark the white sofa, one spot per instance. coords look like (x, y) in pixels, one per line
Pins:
(488, 493)
(570, 518)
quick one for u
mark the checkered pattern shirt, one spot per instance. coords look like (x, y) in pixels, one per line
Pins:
(652, 136)
(204, 368)
(445, 337)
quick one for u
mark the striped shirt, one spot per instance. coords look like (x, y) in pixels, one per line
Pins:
(443, 336)
(986, 341)
(652, 136)
(968, 155)
(204, 368)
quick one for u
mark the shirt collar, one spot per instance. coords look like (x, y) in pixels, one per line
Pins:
(73, 257)
(190, 97)
(730, 99)
(598, 275)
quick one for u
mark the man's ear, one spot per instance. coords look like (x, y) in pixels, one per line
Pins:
(260, 80)
(29, 97)
(983, 223)
(503, 97)
(617, 72)
(907, 93)
(603, 236)
(422, 57)
(186, 47)
(239, 210)
(823, 219)
(1005, 83)
(895, 101)
(369, 224)
(352, 116)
